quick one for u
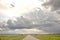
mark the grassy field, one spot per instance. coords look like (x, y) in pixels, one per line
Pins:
(21, 36)
(47, 36)
(11, 36)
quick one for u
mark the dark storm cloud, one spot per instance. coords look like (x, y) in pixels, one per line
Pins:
(54, 4)
(45, 21)
(51, 27)
(30, 20)
(38, 19)
(19, 24)
(54, 25)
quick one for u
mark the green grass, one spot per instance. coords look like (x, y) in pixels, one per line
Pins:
(21, 36)
(11, 36)
(47, 36)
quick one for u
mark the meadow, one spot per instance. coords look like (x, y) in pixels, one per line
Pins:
(21, 36)
(47, 36)
(11, 36)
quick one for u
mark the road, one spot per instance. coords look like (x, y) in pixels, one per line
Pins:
(29, 37)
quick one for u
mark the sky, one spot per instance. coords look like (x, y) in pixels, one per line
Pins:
(17, 7)
(29, 16)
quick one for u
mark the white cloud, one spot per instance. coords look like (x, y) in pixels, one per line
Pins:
(20, 7)
(34, 21)
(24, 31)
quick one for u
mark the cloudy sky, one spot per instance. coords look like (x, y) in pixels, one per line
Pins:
(29, 16)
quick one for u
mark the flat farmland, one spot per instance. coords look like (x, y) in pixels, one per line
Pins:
(47, 36)
(11, 36)
(22, 36)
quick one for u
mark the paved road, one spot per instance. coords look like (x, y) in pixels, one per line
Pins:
(29, 37)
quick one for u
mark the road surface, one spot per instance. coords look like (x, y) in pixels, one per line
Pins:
(29, 37)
